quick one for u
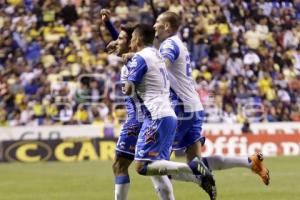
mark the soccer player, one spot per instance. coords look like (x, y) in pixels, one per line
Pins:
(148, 78)
(127, 141)
(125, 149)
(188, 107)
(162, 184)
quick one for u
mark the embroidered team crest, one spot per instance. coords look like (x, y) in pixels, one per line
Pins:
(132, 63)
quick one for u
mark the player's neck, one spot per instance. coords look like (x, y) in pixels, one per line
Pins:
(141, 47)
(170, 34)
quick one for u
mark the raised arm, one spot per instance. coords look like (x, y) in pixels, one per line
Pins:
(105, 16)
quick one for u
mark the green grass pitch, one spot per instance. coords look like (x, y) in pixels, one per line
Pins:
(94, 181)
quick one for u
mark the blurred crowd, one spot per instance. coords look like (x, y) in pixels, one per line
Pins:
(54, 68)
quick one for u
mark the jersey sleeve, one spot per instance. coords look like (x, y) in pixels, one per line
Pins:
(112, 30)
(137, 69)
(170, 50)
(124, 74)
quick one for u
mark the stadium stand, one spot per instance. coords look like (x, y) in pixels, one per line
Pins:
(54, 68)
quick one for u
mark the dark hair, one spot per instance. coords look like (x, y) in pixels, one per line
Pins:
(146, 33)
(128, 29)
(173, 19)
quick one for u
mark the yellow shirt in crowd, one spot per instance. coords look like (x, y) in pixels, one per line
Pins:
(19, 98)
(38, 109)
(264, 84)
(270, 94)
(15, 2)
(223, 29)
(51, 110)
(81, 115)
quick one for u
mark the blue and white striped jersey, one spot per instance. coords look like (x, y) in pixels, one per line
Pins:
(182, 84)
(149, 75)
(132, 103)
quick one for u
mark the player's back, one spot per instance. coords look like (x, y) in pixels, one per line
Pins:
(148, 72)
(182, 84)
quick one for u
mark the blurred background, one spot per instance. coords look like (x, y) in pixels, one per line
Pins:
(54, 69)
(53, 65)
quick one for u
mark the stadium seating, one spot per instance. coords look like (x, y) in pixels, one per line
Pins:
(54, 68)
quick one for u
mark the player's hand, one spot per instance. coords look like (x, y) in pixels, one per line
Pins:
(127, 56)
(105, 14)
(111, 47)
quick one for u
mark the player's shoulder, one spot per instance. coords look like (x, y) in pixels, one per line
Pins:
(137, 60)
(149, 53)
(168, 44)
(171, 43)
